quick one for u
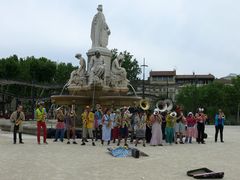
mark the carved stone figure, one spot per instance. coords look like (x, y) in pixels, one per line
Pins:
(96, 69)
(99, 30)
(78, 76)
(119, 74)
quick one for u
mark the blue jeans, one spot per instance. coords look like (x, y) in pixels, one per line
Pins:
(59, 132)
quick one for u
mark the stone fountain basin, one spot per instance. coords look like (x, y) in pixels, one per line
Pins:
(107, 101)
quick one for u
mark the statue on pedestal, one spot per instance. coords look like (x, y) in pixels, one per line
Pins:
(118, 73)
(96, 69)
(78, 76)
(99, 30)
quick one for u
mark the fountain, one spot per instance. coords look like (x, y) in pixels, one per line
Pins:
(100, 80)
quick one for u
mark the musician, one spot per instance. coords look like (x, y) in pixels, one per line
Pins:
(16, 118)
(200, 118)
(98, 122)
(170, 124)
(60, 125)
(191, 121)
(70, 125)
(219, 124)
(124, 125)
(148, 134)
(156, 120)
(140, 126)
(116, 125)
(40, 116)
(88, 121)
(107, 126)
(179, 126)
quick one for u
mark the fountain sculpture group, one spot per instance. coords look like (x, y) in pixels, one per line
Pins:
(99, 80)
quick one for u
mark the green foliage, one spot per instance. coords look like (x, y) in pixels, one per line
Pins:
(131, 65)
(212, 97)
(37, 70)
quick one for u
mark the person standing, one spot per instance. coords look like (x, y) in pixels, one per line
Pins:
(170, 124)
(219, 124)
(148, 127)
(115, 130)
(70, 126)
(140, 126)
(98, 122)
(88, 121)
(179, 126)
(191, 121)
(124, 125)
(17, 117)
(60, 125)
(200, 118)
(156, 128)
(40, 116)
(107, 126)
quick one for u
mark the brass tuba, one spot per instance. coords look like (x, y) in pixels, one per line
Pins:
(164, 105)
(144, 104)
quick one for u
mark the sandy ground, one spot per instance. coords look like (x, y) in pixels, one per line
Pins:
(59, 161)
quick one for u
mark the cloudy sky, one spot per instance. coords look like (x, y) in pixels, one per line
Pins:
(186, 35)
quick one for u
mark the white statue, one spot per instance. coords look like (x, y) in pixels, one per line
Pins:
(119, 74)
(96, 69)
(78, 76)
(99, 30)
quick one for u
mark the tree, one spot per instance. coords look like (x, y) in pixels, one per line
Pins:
(131, 65)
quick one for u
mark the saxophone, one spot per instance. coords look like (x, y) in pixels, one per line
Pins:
(18, 122)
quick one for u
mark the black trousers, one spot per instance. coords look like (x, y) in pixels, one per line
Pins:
(148, 134)
(15, 130)
(163, 130)
(217, 128)
(200, 128)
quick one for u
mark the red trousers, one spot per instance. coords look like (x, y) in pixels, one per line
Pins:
(42, 125)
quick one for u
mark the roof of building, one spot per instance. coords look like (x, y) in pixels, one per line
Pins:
(162, 73)
(208, 76)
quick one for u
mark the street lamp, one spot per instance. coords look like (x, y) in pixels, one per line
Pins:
(143, 84)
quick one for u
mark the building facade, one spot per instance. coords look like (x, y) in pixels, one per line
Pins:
(166, 84)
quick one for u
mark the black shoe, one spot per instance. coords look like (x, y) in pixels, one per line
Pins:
(144, 145)
(203, 142)
(83, 143)
(118, 144)
(108, 142)
(136, 145)
(222, 141)
(93, 144)
(86, 140)
(74, 142)
(68, 142)
(21, 142)
(160, 145)
(181, 142)
(55, 140)
(14, 142)
(126, 145)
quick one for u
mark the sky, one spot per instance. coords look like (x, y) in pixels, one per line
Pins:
(186, 35)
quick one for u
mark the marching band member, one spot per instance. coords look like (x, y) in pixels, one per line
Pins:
(219, 124)
(107, 126)
(170, 124)
(200, 118)
(191, 121)
(140, 126)
(124, 125)
(70, 125)
(156, 128)
(179, 126)
(116, 125)
(16, 118)
(40, 115)
(88, 120)
(148, 127)
(98, 122)
(60, 125)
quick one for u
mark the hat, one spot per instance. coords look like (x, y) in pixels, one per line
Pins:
(190, 113)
